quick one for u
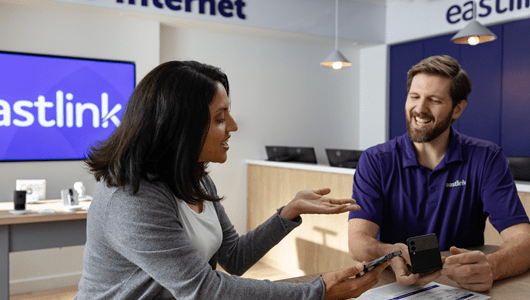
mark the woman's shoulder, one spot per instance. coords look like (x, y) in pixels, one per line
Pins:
(147, 188)
(149, 195)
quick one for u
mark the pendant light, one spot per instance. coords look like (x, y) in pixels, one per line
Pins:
(336, 60)
(474, 33)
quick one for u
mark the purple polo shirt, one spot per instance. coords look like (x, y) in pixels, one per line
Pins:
(473, 181)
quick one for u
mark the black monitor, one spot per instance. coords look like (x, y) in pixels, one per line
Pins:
(520, 167)
(291, 154)
(343, 158)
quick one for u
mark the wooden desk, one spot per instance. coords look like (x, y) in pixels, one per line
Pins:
(512, 288)
(34, 231)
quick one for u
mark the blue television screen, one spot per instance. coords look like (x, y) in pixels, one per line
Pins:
(55, 108)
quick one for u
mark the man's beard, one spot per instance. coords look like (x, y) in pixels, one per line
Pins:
(425, 136)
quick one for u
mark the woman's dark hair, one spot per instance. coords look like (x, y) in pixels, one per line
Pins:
(448, 67)
(162, 131)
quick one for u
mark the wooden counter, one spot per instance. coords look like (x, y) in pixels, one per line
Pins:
(517, 287)
(320, 243)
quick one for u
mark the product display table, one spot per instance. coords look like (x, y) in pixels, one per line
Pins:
(47, 224)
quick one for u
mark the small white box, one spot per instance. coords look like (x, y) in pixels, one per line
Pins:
(35, 189)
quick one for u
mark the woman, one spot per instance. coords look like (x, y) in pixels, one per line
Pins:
(156, 227)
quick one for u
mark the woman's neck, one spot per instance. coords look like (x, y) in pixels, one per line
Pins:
(197, 207)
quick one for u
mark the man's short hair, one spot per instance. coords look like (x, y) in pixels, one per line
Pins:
(448, 67)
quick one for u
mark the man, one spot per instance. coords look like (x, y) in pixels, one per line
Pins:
(434, 179)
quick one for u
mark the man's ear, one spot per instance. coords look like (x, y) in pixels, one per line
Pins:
(459, 108)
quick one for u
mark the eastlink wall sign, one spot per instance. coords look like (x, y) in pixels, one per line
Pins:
(484, 8)
(225, 8)
(419, 19)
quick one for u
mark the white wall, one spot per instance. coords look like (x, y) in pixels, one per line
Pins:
(52, 31)
(373, 102)
(359, 20)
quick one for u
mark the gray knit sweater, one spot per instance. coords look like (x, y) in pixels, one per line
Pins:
(137, 249)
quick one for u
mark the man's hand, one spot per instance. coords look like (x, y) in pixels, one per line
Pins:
(314, 202)
(470, 269)
(403, 274)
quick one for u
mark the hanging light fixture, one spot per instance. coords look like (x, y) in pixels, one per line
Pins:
(336, 60)
(474, 33)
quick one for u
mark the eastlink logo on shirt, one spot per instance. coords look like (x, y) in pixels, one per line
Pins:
(23, 114)
(456, 183)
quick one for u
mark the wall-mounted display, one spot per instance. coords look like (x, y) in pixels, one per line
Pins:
(55, 108)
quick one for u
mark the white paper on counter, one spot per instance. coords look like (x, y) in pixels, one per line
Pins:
(432, 291)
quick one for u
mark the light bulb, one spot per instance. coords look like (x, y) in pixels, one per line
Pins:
(337, 65)
(473, 40)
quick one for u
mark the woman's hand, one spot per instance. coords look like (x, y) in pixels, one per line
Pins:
(314, 202)
(342, 285)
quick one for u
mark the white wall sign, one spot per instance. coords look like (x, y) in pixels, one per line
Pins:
(359, 20)
(484, 8)
(408, 20)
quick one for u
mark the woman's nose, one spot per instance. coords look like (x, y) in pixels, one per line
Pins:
(232, 125)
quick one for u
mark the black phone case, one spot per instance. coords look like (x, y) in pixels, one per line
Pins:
(376, 262)
(424, 253)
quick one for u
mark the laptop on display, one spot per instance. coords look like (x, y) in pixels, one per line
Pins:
(520, 167)
(291, 154)
(343, 158)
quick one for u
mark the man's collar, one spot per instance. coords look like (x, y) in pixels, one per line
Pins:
(452, 154)
(410, 159)
(454, 148)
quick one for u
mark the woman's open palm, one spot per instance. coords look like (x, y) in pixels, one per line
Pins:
(315, 202)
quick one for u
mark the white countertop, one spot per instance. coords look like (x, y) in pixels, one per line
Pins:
(522, 186)
(301, 166)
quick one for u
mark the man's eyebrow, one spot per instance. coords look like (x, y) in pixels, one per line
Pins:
(435, 95)
(222, 108)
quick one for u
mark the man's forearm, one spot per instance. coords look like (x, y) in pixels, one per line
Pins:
(511, 259)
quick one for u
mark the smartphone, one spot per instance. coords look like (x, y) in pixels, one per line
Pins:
(424, 253)
(376, 262)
